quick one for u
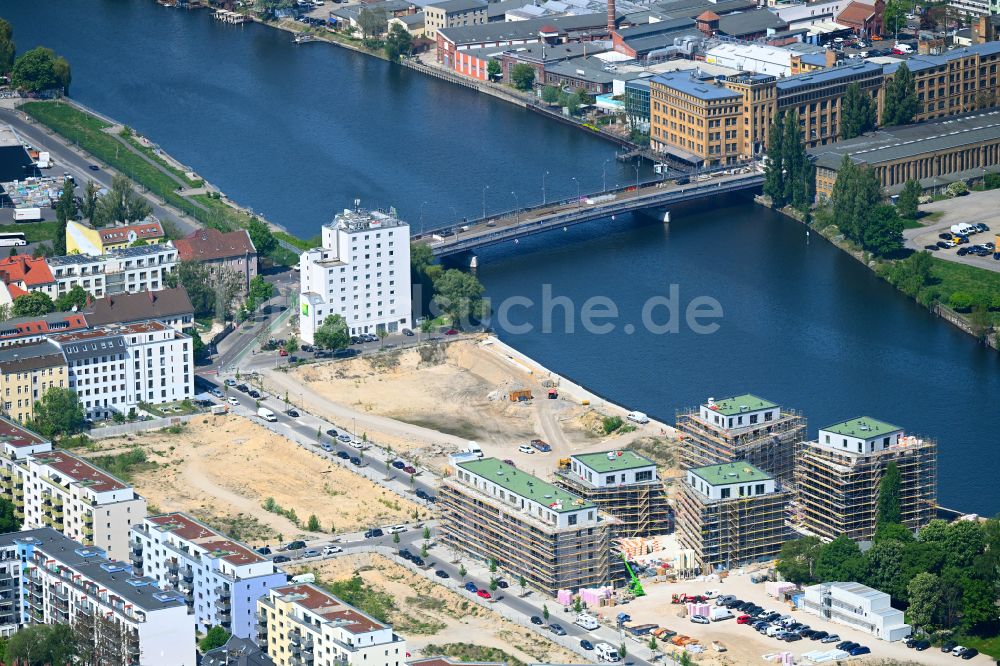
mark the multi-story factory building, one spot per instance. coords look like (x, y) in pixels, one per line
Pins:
(743, 427)
(531, 528)
(731, 514)
(838, 477)
(302, 625)
(362, 273)
(625, 485)
(127, 618)
(220, 579)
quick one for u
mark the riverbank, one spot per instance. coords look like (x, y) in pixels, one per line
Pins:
(945, 278)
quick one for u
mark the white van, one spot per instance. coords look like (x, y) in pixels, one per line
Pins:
(637, 417)
(302, 579)
(267, 415)
(474, 449)
(606, 653)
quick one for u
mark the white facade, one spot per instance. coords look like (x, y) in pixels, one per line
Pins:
(362, 273)
(769, 60)
(730, 417)
(857, 606)
(127, 617)
(613, 469)
(809, 14)
(128, 270)
(113, 369)
(973, 8)
(859, 436)
(731, 481)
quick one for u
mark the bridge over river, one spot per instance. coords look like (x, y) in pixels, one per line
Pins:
(514, 225)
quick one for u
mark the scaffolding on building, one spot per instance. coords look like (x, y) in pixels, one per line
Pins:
(838, 492)
(641, 508)
(772, 446)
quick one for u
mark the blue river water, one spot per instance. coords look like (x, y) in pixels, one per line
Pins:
(298, 132)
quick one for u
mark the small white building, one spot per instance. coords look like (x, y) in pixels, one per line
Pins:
(857, 606)
(362, 273)
(770, 60)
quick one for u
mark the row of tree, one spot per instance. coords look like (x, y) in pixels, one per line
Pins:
(789, 176)
(37, 70)
(947, 576)
(860, 211)
(455, 294)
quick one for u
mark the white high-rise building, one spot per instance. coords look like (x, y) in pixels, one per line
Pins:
(362, 273)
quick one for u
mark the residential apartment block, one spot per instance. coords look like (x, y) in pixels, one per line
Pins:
(731, 514)
(127, 618)
(742, 427)
(115, 368)
(221, 580)
(857, 606)
(362, 273)
(452, 13)
(84, 239)
(553, 538)
(54, 488)
(232, 251)
(32, 329)
(625, 485)
(27, 371)
(126, 270)
(170, 306)
(838, 478)
(301, 625)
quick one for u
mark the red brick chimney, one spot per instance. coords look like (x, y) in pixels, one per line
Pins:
(611, 17)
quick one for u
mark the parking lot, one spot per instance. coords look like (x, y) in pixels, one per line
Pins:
(745, 645)
(975, 208)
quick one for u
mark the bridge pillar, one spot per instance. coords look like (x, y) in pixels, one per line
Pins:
(659, 214)
(473, 261)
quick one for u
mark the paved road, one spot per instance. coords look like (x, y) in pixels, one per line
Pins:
(972, 209)
(71, 159)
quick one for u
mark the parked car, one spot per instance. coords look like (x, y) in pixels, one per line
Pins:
(920, 646)
(263, 550)
(355, 460)
(332, 550)
(699, 619)
(502, 584)
(344, 455)
(254, 393)
(407, 332)
(233, 401)
(524, 448)
(948, 646)
(832, 638)
(536, 620)
(586, 645)
(230, 382)
(471, 587)
(310, 553)
(819, 635)
(295, 545)
(398, 464)
(743, 619)
(860, 650)
(281, 559)
(331, 432)
(282, 352)
(294, 413)
(374, 533)
(419, 561)
(483, 594)
(441, 573)
(969, 653)
(344, 438)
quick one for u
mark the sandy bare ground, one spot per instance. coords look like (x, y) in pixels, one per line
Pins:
(428, 613)
(222, 466)
(440, 396)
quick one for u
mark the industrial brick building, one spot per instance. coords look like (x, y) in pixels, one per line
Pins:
(625, 485)
(531, 528)
(731, 514)
(743, 427)
(838, 478)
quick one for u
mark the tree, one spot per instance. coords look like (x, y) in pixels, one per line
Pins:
(292, 345)
(856, 194)
(89, 204)
(421, 256)
(44, 645)
(462, 571)
(889, 509)
(7, 48)
(459, 295)
(313, 524)
(493, 565)
(493, 585)
(857, 112)
(35, 71)
(64, 76)
(381, 334)
(894, 531)
(838, 560)
(259, 291)
(652, 644)
(8, 521)
(884, 234)
(198, 347)
(797, 558)
(398, 43)
(986, 98)
(900, 103)
(32, 304)
(372, 22)
(894, 16)
(522, 583)
(957, 189)
(799, 172)
(66, 210)
(214, 638)
(395, 537)
(909, 199)
(121, 205)
(545, 611)
(883, 569)
(774, 181)
(59, 412)
(964, 542)
(912, 274)
(261, 237)
(76, 297)
(522, 75)
(550, 94)
(427, 533)
(493, 69)
(332, 333)
(924, 592)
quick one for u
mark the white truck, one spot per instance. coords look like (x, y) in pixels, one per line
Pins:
(719, 613)
(27, 214)
(588, 622)
(637, 417)
(44, 160)
(267, 415)
(474, 449)
(607, 653)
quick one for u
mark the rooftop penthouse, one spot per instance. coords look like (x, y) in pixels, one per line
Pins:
(735, 479)
(18, 442)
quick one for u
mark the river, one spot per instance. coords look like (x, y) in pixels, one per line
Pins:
(296, 132)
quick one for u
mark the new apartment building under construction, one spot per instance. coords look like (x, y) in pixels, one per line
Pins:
(731, 514)
(624, 484)
(531, 528)
(743, 427)
(838, 478)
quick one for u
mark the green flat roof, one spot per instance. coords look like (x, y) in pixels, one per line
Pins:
(731, 406)
(600, 463)
(735, 472)
(864, 427)
(526, 485)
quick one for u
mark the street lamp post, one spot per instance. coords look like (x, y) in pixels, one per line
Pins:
(422, 204)
(517, 208)
(485, 187)
(543, 186)
(577, 191)
(636, 165)
(604, 176)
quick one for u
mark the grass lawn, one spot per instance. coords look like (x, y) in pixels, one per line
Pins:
(34, 232)
(990, 646)
(951, 277)
(150, 152)
(295, 241)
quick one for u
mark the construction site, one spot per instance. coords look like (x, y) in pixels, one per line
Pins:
(838, 489)
(528, 527)
(731, 515)
(625, 485)
(743, 427)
